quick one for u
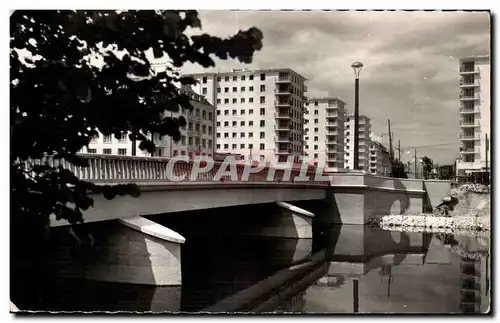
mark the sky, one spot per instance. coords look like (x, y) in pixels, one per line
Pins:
(410, 58)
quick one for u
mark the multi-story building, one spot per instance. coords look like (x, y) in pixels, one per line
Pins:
(198, 137)
(109, 145)
(260, 113)
(474, 115)
(380, 161)
(324, 131)
(364, 130)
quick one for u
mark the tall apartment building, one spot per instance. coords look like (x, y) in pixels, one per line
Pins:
(260, 113)
(364, 127)
(474, 115)
(380, 161)
(324, 131)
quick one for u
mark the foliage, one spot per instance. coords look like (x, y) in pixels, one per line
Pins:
(59, 100)
(398, 169)
(427, 164)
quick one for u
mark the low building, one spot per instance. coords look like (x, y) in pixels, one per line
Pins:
(380, 161)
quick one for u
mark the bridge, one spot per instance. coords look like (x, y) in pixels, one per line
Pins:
(129, 248)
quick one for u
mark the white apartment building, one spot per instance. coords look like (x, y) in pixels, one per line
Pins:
(474, 115)
(324, 131)
(380, 161)
(364, 127)
(260, 113)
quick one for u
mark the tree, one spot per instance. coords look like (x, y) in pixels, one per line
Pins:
(398, 169)
(60, 99)
(427, 166)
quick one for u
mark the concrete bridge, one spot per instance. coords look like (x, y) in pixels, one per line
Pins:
(136, 250)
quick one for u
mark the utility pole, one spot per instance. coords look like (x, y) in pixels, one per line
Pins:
(415, 163)
(399, 150)
(390, 140)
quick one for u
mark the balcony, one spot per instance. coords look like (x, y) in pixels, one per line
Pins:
(304, 89)
(468, 97)
(283, 115)
(282, 103)
(467, 151)
(469, 124)
(470, 137)
(283, 78)
(332, 124)
(468, 84)
(468, 70)
(284, 152)
(285, 139)
(331, 132)
(282, 127)
(332, 114)
(283, 91)
(468, 110)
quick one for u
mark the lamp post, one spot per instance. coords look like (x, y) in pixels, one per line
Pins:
(356, 66)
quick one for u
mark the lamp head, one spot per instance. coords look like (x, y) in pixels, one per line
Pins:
(357, 66)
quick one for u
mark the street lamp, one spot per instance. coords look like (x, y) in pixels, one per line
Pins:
(356, 66)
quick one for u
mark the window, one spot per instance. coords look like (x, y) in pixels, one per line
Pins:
(197, 141)
(250, 89)
(92, 151)
(226, 78)
(233, 146)
(250, 135)
(315, 103)
(316, 129)
(315, 147)
(234, 112)
(174, 153)
(226, 112)
(307, 138)
(190, 141)
(234, 134)
(226, 134)
(250, 77)
(204, 114)
(262, 146)
(262, 123)
(106, 151)
(250, 100)
(210, 130)
(242, 100)
(210, 116)
(250, 123)
(218, 101)
(204, 129)
(122, 151)
(243, 77)
(204, 80)
(235, 89)
(262, 99)
(315, 121)
(226, 146)
(235, 100)
(250, 111)
(315, 138)
(242, 89)
(235, 123)
(262, 135)
(226, 90)
(218, 79)
(197, 127)
(250, 146)
(235, 78)
(226, 101)
(262, 88)
(218, 112)
(263, 76)
(262, 111)
(242, 123)
(315, 156)
(204, 90)
(197, 112)
(107, 139)
(347, 133)
(204, 143)
(242, 111)
(210, 143)
(242, 146)
(218, 146)
(242, 135)
(315, 112)
(347, 126)
(226, 123)
(183, 140)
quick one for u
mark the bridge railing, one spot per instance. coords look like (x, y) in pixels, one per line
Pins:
(131, 169)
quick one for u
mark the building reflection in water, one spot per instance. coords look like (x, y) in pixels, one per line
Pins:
(383, 271)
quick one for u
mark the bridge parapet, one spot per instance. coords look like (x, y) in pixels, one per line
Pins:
(131, 169)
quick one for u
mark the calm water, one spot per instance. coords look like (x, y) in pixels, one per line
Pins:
(344, 269)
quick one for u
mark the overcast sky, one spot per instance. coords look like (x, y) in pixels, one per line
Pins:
(411, 68)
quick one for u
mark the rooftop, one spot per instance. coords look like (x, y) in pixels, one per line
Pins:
(325, 99)
(246, 71)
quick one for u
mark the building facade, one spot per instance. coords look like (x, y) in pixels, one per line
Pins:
(380, 161)
(474, 113)
(364, 127)
(260, 113)
(324, 131)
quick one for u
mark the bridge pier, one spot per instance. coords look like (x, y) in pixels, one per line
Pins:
(141, 257)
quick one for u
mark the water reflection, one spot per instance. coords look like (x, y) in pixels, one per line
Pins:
(376, 271)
